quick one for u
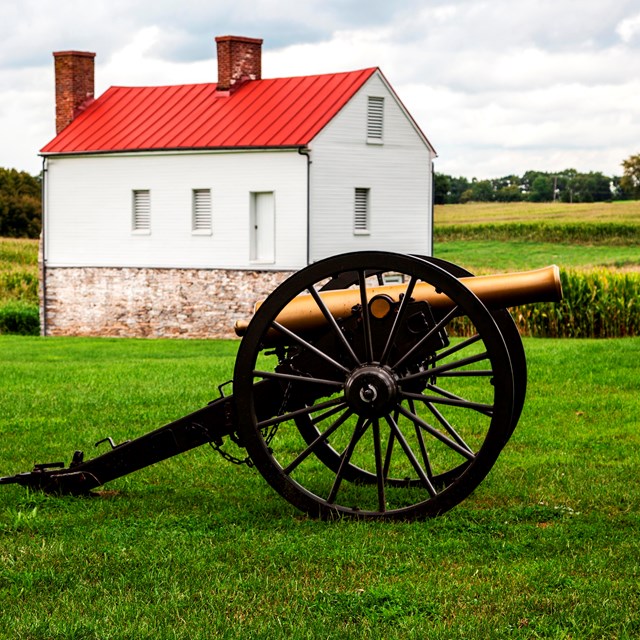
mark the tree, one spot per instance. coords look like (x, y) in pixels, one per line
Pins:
(541, 189)
(20, 204)
(512, 193)
(630, 181)
(508, 189)
(617, 192)
(588, 187)
(457, 187)
(441, 188)
(483, 191)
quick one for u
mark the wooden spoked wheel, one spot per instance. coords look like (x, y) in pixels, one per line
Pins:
(384, 412)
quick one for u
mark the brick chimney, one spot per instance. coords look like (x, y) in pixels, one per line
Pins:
(239, 60)
(74, 84)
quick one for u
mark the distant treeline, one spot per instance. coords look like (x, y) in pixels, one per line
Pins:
(533, 186)
(20, 204)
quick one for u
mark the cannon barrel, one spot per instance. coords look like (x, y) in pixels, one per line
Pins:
(495, 291)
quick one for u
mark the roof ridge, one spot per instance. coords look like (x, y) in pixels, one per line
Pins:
(279, 78)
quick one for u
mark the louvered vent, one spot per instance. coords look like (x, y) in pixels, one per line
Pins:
(375, 119)
(361, 216)
(201, 221)
(142, 211)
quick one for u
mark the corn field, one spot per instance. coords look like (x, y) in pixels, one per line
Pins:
(596, 304)
(609, 233)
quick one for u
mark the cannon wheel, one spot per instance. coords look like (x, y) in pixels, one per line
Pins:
(507, 327)
(442, 412)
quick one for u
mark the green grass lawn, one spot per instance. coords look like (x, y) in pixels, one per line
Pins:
(491, 256)
(490, 237)
(547, 547)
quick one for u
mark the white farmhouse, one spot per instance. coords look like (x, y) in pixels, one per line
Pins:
(171, 210)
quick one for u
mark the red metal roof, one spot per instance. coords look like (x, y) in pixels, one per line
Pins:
(282, 112)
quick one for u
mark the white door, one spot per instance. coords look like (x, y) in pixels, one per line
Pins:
(263, 224)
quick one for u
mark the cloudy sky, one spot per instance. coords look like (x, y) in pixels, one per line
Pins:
(498, 86)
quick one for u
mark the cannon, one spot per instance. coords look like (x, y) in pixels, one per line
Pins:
(373, 385)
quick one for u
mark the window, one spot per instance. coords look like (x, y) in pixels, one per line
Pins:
(201, 212)
(375, 119)
(141, 211)
(361, 212)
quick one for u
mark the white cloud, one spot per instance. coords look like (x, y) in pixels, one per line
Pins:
(137, 64)
(629, 28)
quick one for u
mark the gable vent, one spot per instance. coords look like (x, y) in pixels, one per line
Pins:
(142, 210)
(201, 221)
(375, 113)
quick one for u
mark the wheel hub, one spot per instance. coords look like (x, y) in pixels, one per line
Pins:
(371, 391)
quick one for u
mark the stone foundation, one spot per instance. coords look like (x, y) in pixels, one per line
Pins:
(155, 303)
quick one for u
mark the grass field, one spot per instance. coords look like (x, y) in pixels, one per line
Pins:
(627, 211)
(547, 547)
(490, 238)
(491, 256)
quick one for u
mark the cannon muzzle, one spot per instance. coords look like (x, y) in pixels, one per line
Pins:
(495, 291)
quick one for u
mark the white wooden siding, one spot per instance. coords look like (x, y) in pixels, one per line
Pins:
(396, 172)
(88, 209)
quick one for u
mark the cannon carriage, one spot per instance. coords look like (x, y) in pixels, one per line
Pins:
(370, 384)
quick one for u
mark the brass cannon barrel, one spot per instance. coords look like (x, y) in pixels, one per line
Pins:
(496, 292)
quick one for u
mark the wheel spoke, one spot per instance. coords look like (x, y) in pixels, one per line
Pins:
(463, 451)
(318, 441)
(380, 477)
(446, 424)
(421, 444)
(485, 409)
(366, 318)
(358, 432)
(397, 323)
(444, 392)
(327, 414)
(457, 347)
(333, 324)
(302, 379)
(389, 452)
(305, 411)
(448, 369)
(307, 345)
(411, 456)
